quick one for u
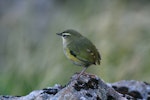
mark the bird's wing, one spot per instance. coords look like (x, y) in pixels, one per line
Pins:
(85, 51)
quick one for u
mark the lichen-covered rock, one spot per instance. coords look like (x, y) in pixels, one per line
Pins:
(136, 89)
(90, 87)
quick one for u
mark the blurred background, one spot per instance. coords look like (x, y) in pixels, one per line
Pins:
(31, 54)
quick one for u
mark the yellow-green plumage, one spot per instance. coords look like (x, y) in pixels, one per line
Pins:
(79, 49)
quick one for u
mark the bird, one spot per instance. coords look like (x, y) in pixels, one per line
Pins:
(80, 50)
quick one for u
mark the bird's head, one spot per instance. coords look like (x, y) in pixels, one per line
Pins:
(69, 35)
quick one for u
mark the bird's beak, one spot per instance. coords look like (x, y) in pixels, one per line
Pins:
(60, 34)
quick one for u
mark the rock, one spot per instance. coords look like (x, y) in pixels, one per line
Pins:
(90, 87)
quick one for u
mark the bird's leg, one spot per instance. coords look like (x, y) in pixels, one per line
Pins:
(83, 70)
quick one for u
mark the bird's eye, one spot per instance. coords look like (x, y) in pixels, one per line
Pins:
(64, 35)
